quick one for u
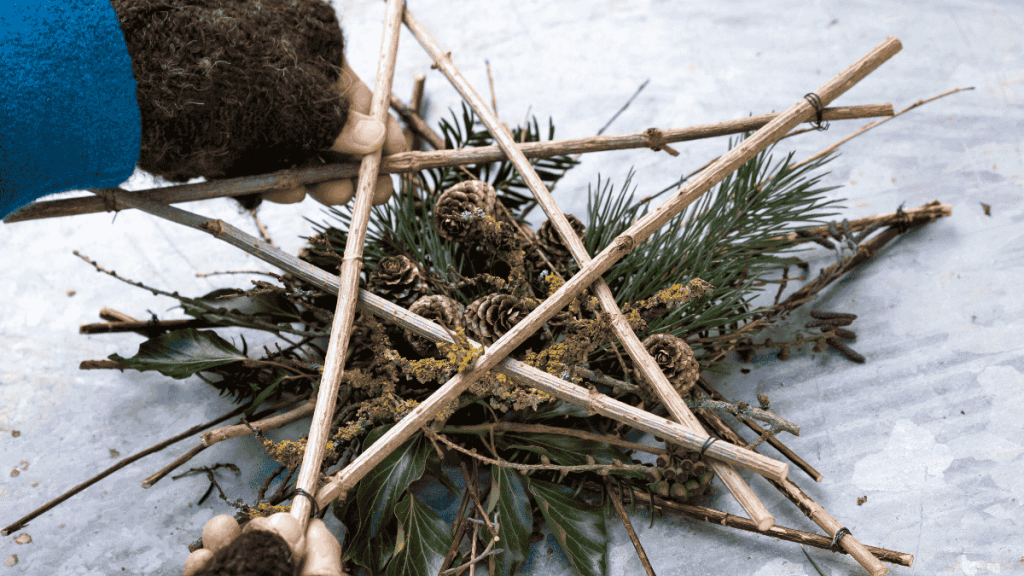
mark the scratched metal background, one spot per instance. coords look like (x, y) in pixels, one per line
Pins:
(929, 429)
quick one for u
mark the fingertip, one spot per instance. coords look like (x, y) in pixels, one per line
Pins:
(361, 135)
(332, 193)
(219, 532)
(383, 189)
(395, 141)
(290, 196)
(197, 561)
(324, 557)
(288, 527)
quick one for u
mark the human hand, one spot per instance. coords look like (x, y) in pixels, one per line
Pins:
(268, 545)
(360, 136)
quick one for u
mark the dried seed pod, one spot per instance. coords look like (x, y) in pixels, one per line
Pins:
(669, 473)
(692, 486)
(845, 350)
(442, 310)
(664, 461)
(553, 243)
(652, 474)
(706, 477)
(398, 279)
(783, 353)
(676, 360)
(819, 346)
(459, 208)
(699, 468)
(661, 488)
(490, 317)
(844, 333)
(833, 316)
(678, 492)
(686, 467)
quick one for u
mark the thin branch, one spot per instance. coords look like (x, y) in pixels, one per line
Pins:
(543, 429)
(415, 161)
(621, 511)
(836, 146)
(624, 106)
(23, 521)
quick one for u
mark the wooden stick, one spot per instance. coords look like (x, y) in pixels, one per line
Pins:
(518, 371)
(789, 534)
(142, 326)
(620, 326)
(415, 161)
(930, 211)
(351, 265)
(812, 509)
(621, 511)
(775, 442)
(864, 129)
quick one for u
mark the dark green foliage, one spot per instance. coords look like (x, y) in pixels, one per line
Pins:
(369, 513)
(422, 541)
(182, 353)
(510, 500)
(578, 527)
(269, 307)
(565, 450)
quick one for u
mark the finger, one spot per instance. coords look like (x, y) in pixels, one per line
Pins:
(324, 557)
(395, 141)
(361, 135)
(359, 95)
(286, 196)
(383, 189)
(332, 193)
(219, 532)
(288, 527)
(198, 561)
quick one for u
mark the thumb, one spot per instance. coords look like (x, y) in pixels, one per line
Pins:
(361, 135)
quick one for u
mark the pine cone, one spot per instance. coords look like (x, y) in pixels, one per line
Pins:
(490, 317)
(553, 243)
(468, 198)
(442, 310)
(676, 360)
(398, 279)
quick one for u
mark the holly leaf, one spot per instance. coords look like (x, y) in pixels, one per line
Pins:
(578, 527)
(422, 542)
(515, 519)
(182, 353)
(267, 306)
(371, 504)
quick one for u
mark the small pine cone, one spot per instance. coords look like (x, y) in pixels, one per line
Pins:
(557, 251)
(450, 212)
(442, 310)
(490, 317)
(676, 360)
(398, 279)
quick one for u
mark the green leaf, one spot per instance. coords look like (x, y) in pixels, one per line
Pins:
(578, 527)
(423, 540)
(279, 376)
(370, 510)
(435, 469)
(566, 450)
(182, 353)
(515, 519)
(266, 306)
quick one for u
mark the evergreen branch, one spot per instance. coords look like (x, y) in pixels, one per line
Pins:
(413, 162)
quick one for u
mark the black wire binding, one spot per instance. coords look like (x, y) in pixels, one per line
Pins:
(815, 101)
(835, 539)
(316, 508)
(707, 444)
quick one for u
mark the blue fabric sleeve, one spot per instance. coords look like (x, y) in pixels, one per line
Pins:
(68, 115)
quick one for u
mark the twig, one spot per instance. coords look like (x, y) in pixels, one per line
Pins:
(459, 529)
(415, 161)
(926, 213)
(811, 509)
(141, 326)
(621, 511)
(471, 563)
(471, 486)
(231, 432)
(416, 105)
(775, 442)
(531, 467)
(789, 534)
(624, 106)
(351, 267)
(836, 146)
(264, 233)
(490, 80)
(543, 429)
(23, 521)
